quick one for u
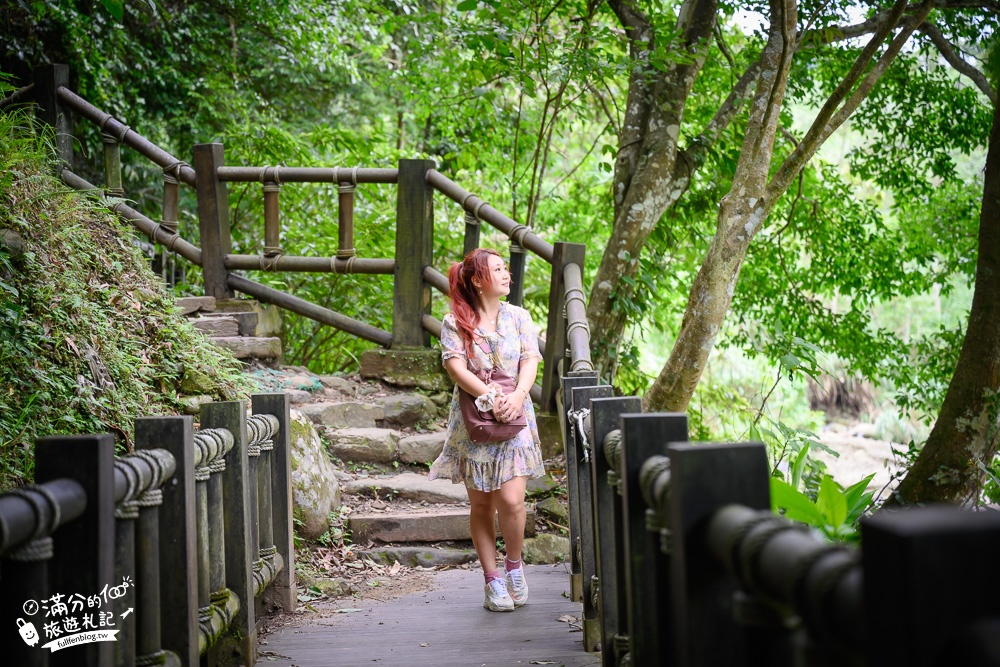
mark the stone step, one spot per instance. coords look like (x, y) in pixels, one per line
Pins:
(217, 326)
(422, 556)
(409, 486)
(428, 525)
(246, 322)
(338, 415)
(244, 347)
(194, 304)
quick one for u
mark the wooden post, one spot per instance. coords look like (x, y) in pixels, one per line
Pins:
(83, 557)
(213, 219)
(48, 79)
(704, 478)
(518, 261)
(573, 479)
(471, 241)
(555, 337)
(179, 579)
(414, 251)
(650, 625)
(585, 496)
(125, 641)
(280, 595)
(241, 549)
(923, 559)
(609, 527)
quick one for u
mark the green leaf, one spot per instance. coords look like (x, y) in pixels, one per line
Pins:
(832, 502)
(796, 504)
(115, 7)
(799, 465)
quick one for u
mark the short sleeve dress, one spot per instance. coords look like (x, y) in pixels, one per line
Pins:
(484, 467)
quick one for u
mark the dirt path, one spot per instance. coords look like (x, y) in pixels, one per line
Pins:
(859, 457)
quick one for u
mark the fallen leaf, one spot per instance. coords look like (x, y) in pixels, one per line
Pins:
(568, 618)
(345, 611)
(394, 569)
(423, 644)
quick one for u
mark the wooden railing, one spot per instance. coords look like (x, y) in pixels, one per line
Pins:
(567, 331)
(176, 549)
(682, 562)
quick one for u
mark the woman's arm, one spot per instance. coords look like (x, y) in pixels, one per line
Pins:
(458, 371)
(510, 405)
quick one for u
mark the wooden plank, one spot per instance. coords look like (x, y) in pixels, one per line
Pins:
(443, 626)
(414, 251)
(213, 219)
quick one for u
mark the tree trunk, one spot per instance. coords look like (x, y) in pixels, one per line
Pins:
(741, 214)
(645, 166)
(966, 433)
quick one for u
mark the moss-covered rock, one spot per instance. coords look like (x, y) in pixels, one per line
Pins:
(406, 368)
(315, 489)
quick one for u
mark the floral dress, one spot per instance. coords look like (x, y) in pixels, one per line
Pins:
(486, 466)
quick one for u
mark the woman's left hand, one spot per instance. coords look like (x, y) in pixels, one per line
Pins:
(510, 406)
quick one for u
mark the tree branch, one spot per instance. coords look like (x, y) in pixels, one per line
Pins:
(956, 61)
(822, 126)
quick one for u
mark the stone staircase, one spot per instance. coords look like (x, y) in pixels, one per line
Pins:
(362, 448)
(245, 327)
(381, 441)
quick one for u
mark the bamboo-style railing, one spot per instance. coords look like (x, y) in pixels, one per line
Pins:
(567, 331)
(171, 548)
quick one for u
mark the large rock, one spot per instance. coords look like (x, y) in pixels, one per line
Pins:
(554, 509)
(550, 434)
(422, 448)
(410, 486)
(367, 445)
(406, 368)
(339, 384)
(315, 490)
(546, 548)
(405, 410)
(344, 415)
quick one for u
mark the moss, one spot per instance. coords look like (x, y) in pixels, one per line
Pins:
(89, 336)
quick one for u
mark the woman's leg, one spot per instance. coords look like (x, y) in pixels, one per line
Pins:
(481, 526)
(510, 505)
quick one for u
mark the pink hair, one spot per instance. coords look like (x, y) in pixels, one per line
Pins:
(465, 300)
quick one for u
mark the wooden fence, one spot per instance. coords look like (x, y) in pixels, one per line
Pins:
(176, 549)
(682, 562)
(567, 331)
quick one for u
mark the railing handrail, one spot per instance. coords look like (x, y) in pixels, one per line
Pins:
(279, 175)
(125, 135)
(471, 203)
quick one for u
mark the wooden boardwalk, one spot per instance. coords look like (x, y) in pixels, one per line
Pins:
(444, 626)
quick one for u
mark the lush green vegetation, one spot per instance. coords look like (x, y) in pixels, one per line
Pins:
(91, 339)
(863, 268)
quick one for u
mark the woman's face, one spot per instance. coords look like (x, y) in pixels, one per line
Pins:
(499, 278)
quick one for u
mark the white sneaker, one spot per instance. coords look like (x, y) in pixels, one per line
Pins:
(518, 586)
(496, 596)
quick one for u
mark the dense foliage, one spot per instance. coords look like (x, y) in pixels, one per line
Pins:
(91, 339)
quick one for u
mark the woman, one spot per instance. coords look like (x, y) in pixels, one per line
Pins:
(495, 474)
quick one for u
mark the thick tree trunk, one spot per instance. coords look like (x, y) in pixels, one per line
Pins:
(966, 432)
(644, 184)
(741, 214)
